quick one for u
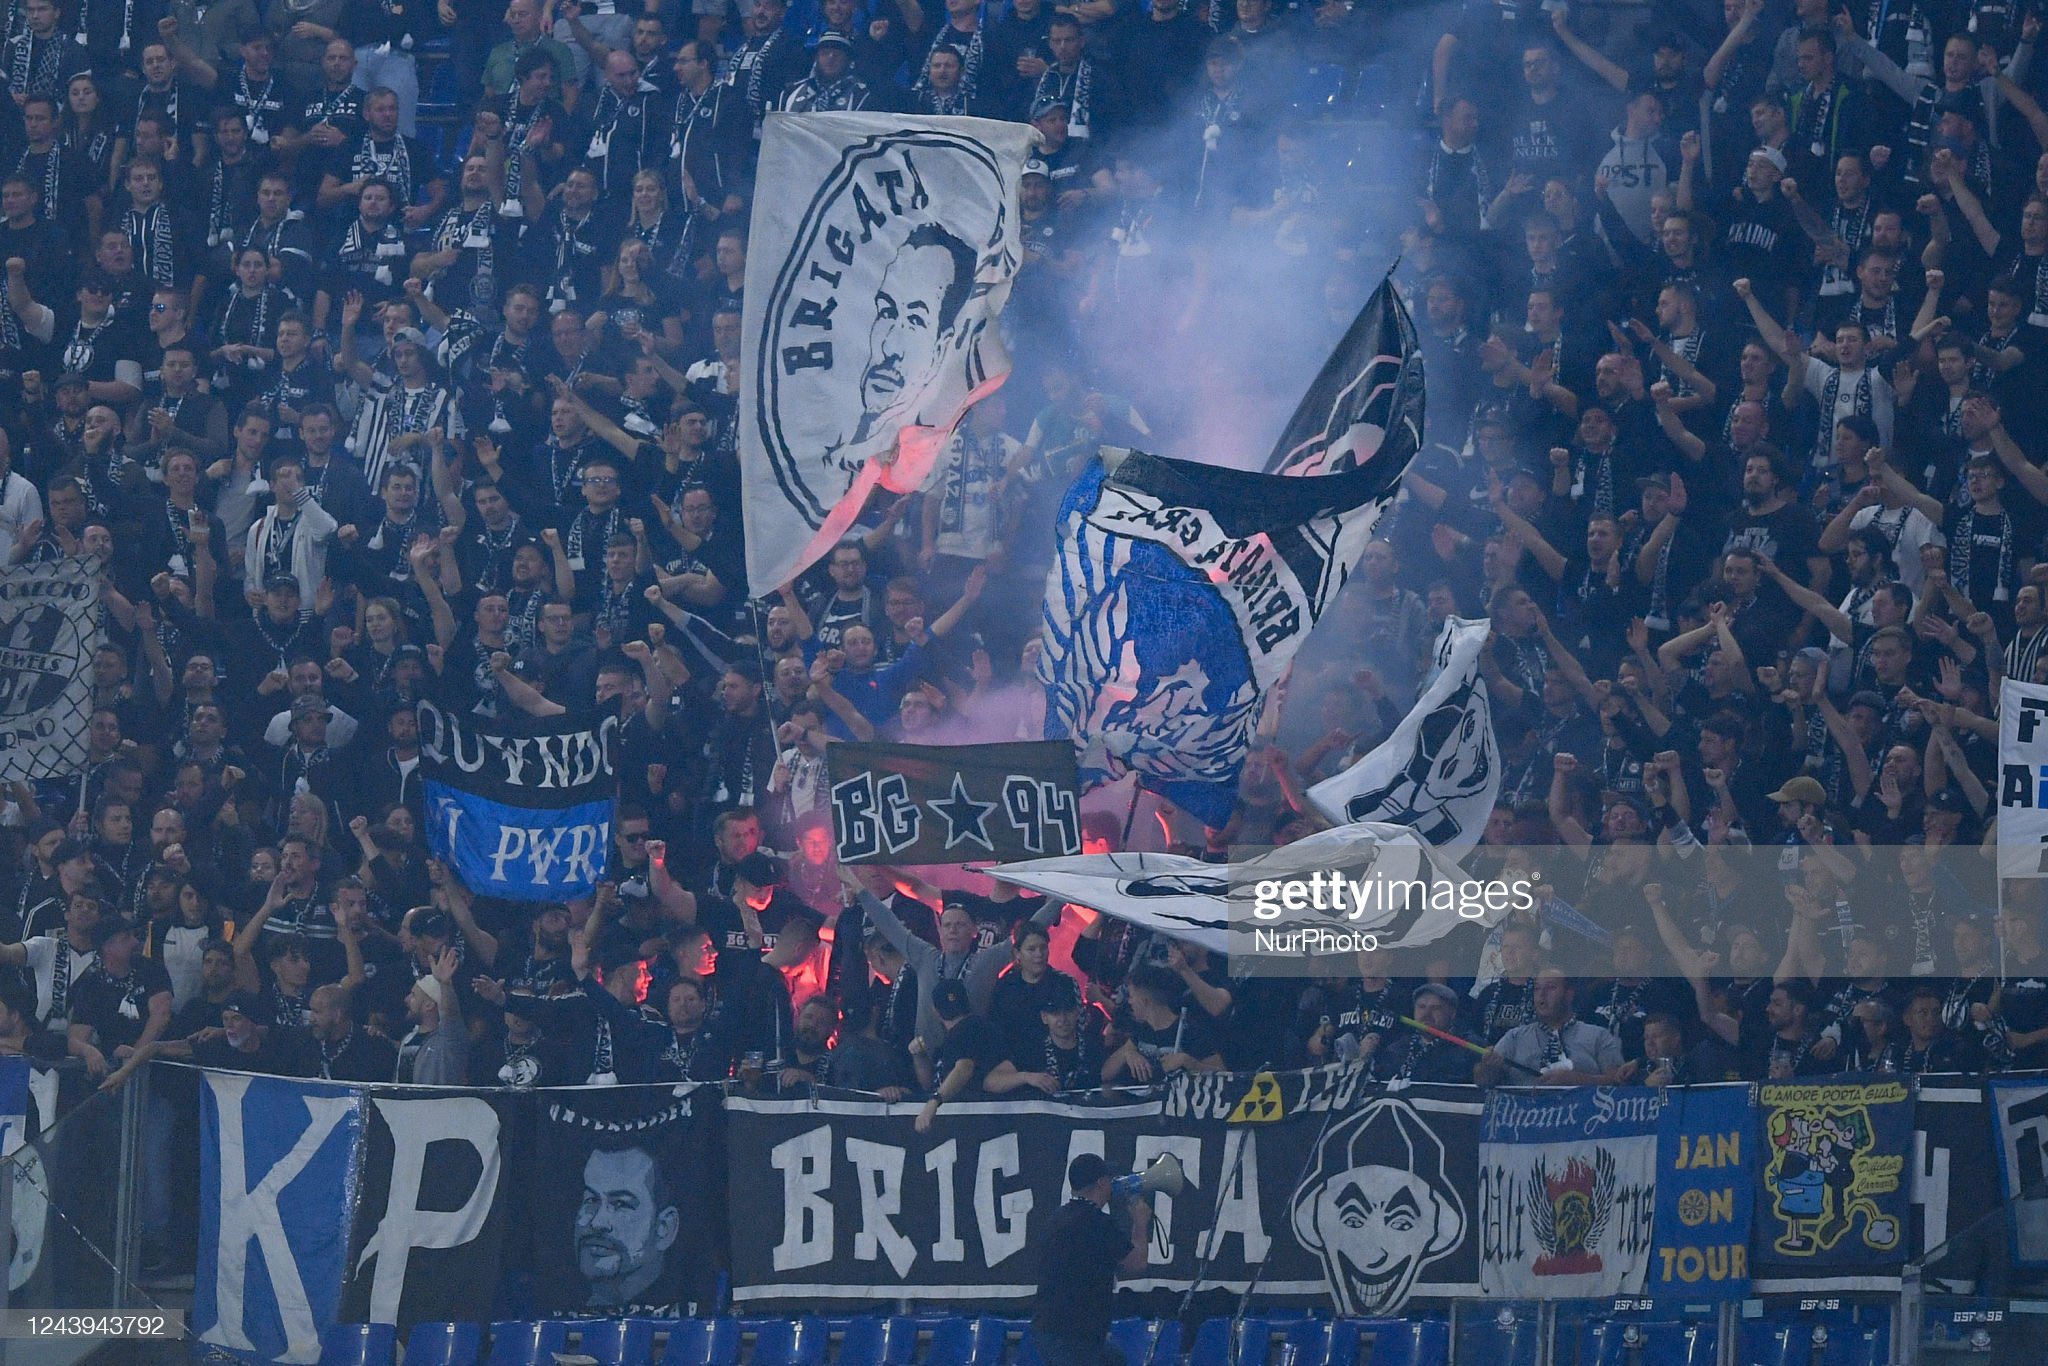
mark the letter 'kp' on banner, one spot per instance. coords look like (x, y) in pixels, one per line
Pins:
(523, 813)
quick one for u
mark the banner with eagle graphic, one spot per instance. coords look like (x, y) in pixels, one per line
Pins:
(1567, 1192)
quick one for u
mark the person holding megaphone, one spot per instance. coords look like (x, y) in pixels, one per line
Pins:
(1082, 1250)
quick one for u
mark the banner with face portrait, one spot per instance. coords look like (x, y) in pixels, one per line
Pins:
(1351, 1199)
(881, 252)
(626, 1215)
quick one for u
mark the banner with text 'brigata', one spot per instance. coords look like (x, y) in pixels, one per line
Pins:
(523, 810)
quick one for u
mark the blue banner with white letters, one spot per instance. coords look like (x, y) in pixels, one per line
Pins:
(1706, 1192)
(524, 813)
(277, 1176)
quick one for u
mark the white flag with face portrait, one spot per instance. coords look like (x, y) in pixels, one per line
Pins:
(881, 252)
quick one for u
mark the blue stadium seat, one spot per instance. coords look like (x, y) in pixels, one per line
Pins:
(1147, 1342)
(703, 1342)
(788, 1342)
(1396, 1342)
(1212, 1343)
(1307, 1343)
(1507, 1338)
(618, 1342)
(967, 1342)
(874, 1341)
(1636, 1343)
(444, 1344)
(516, 1342)
(358, 1344)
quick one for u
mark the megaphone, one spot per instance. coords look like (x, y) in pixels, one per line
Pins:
(1164, 1174)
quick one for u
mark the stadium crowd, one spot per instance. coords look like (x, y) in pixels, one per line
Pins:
(1735, 320)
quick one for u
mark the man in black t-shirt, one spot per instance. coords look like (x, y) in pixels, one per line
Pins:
(1081, 1252)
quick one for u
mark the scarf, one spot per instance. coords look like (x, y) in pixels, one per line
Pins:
(1962, 547)
(1830, 395)
(33, 65)
(1815, 120)
(331, 1056)
(604, 529)
(166, 104)
(1852, 226)
(1076, 90)
(394, 166)
(150, 230)
(936, 103)
(1553, 1044)
(254, 104)
(970, 60)
(602, 1063)
(52, 177)
(679, 1057)
(60, 981)
(1072, 1076)
(253, 329)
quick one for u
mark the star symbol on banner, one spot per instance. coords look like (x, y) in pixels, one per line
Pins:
(966, 818)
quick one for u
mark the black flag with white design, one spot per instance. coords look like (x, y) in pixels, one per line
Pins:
(954, 803)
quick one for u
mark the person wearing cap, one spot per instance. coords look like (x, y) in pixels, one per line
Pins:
(435, 1051)
(831, 85)
(1081, 1251)
(967, 1052)
(1798, 798)
(93, 342)
(1414, 1055)
(121, 1006)
(244, 1043)
(1760, 236)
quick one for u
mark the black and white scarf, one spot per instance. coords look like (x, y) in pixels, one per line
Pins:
(394, 166)
(1830, 396)
(34, 64)
(1075, 89)
(970, 52)
(52, 177)
(150, 231)
(78, 352)
(1962, 546)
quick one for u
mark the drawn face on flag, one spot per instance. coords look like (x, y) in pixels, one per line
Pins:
(1376, 1206)
(625, 1225)
(875, 316)
(916, 308)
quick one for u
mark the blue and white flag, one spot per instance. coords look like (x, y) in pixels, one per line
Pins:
(277, 1176)
(1181, 592)
(522, 814)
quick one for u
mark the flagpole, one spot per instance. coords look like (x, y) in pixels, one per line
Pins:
(767, 692)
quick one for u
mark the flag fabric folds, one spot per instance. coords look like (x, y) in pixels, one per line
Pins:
(1180, 592)
(881, 252)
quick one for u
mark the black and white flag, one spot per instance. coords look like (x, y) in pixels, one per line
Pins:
(953, 803)
(1381, 880)
(1439, 772)
(1181, 592)
(49, 628)
(881, 252)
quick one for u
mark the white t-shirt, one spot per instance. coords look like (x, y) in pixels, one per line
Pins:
(43, 953)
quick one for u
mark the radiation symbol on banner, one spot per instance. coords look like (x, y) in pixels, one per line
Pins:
(1261, 1104)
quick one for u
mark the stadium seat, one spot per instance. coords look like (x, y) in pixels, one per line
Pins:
(618, 1342)
(517, 1342)
(967, 1342)
(1635, 1343)
(1395, 1342)
(1307, 1343)
(1508, 1337)
(1147, 1342)
(788, 1342)
(1212, 1343)
(703, 1342)
(358, 1344)
(444, 1344)
(874, 1341)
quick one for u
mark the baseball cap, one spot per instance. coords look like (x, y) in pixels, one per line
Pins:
(1045, 104)
(1654, 481)
(1037, 166)
(1801, 789)
(72, 379)
(281, 583)
(1948, 799)
(410, 334)
(243, 1003)
(1437, 990)
(760, 870)
(950, 1000)
(1770, 154)
(838, 40)
(307, 704)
